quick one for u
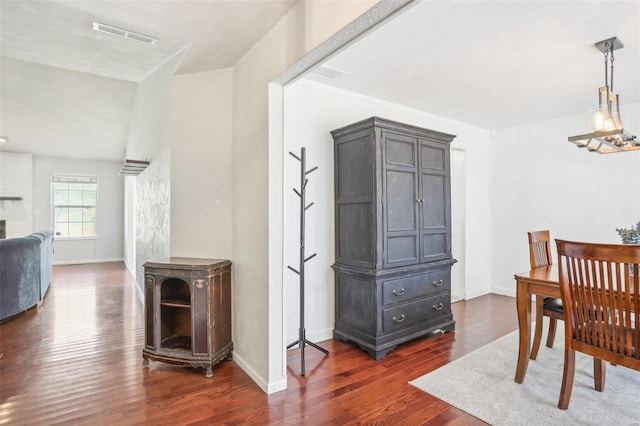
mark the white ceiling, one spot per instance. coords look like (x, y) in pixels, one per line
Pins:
(59, 33)
(495, 64)
(67, 90)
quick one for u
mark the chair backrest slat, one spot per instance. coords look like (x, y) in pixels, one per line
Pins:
(611, 312)
(602, 300)
(600, 285)
(539, 249)
(628, 312)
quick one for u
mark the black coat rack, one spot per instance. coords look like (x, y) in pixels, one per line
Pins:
(303, 208)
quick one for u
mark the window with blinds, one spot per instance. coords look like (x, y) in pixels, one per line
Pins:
(74, 206)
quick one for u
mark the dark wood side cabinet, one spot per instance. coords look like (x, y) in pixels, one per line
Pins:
(392, 233)
(188, 312)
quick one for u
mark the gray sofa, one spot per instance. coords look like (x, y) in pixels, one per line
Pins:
(26, 266)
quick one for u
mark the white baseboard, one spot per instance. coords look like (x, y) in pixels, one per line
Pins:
(83, 261)
(277, 386)
(315, 336)
(266, 387)
(476, 293)
(504, 291)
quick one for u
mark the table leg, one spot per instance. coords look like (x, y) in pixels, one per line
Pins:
(523, 303)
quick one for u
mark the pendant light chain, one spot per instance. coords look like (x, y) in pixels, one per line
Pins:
(611, 48)
(606, 66)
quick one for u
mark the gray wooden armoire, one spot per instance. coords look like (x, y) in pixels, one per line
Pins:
(393, 233)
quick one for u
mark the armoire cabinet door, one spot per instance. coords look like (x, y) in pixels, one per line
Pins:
(400, 205)
(435, 214)
(416, 200)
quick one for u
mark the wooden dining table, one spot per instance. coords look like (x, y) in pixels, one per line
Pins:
(542, 281)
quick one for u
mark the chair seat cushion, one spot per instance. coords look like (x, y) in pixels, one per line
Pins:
(621, 339)
(553, 304)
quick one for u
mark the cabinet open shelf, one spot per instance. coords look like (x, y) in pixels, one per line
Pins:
(177, 343)
(176, 303)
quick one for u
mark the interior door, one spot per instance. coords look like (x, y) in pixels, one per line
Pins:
(458, 227)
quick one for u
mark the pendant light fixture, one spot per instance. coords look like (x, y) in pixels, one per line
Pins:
(607, 134)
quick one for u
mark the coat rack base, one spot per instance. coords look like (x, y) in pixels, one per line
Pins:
(302, 341)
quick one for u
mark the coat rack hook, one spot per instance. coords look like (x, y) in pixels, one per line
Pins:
(295, 156)
(294, 270)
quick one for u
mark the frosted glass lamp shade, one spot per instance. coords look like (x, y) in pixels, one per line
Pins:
(600, 119)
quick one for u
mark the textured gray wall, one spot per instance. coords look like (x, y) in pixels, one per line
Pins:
(149, 140)
(152, 213)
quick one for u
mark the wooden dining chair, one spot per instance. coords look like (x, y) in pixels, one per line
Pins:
(540, 255)
(600, 287)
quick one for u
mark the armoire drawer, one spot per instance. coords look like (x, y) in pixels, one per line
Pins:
(410, 313)
(406, 288)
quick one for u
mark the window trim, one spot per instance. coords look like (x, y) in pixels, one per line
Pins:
(72, 178)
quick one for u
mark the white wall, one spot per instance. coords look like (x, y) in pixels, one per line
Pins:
(52, 111)
(258, 323)
(312, 110)
(16, 179)
(201, 219)
(541, 181)
(109, 245)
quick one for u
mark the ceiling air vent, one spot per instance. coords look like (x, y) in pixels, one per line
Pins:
(133, 167)
(120, 32)
(327, 72)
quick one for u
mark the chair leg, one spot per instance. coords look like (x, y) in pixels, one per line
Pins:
(599, 373)
(567, 378)
(537, 335)
(551, 336)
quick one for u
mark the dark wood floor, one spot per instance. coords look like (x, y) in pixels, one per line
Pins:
(77, 360)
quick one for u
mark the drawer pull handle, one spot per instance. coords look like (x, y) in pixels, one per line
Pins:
(398, 292)
(438, 283)
(398, 319)
(438, 306)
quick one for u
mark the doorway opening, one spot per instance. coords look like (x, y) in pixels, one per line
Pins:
(458, 223)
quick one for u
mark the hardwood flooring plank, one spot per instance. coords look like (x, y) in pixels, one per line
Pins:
(77, 359)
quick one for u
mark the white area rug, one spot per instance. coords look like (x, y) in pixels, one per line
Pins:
(482, 384)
